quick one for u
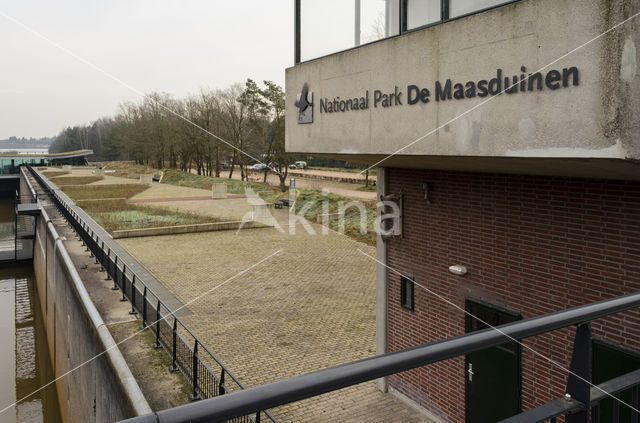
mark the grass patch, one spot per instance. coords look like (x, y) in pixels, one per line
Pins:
(92, 192)
(118, 216)
(127, 169)
(352, 215)
(75, 180)
(367, 188)
(234, 186)
(53, 173)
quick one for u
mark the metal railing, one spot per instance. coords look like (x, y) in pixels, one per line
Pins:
(568, 406)
(331, 379)
(206, 374)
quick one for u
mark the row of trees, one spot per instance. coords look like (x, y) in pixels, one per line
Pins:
(208, 132)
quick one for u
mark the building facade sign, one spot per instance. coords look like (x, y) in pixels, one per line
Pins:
(443, 91)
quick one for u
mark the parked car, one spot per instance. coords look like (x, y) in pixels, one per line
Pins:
(258, 166)
(298, 165)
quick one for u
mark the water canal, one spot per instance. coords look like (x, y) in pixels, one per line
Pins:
(25, 364)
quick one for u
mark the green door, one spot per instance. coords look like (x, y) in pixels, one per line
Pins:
(493, 376)
(610, 361)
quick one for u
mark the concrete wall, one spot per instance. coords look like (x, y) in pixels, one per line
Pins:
(98, 390)
(591, 121)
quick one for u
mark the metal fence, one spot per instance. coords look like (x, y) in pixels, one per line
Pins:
(206, 374)
(568, 407)
(575, 407)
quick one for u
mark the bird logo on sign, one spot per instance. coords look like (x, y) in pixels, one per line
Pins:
(304, 103)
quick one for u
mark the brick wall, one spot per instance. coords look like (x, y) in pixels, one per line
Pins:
(531, 244)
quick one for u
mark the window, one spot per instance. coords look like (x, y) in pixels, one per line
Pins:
(328, 26)
(421, 12)
(324, 27)
(464, 7)
(406, 292)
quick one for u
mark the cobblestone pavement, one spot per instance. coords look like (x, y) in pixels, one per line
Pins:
(309, 307)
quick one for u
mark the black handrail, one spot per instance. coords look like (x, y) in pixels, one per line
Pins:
(117, 269)
(308, 385)
(568, 405)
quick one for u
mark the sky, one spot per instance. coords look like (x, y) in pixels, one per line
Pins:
(169, 46)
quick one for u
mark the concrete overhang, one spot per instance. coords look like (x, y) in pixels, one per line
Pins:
(612, 169)
(48, 156)
(587, 127)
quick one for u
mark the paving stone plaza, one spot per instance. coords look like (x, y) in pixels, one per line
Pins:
(310, 306)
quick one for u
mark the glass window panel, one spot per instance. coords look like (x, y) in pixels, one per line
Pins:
(373, 20)
(392, 18)
(326, 26)
(462, 7)
(329, 26)
(422, 12)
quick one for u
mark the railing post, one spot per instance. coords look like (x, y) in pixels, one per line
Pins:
(157, 344)
(133, 295)
(579, 381)
(102, 256)
(144, 308)
(194, 396)
(89, 247)
(108, 278)
(221, 390)
(174, 365)
(123, 278)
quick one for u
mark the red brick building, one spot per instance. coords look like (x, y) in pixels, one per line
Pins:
(531, 245)
(507, 134)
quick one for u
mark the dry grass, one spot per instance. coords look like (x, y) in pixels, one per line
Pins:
(352, 216)
(234, 186)
(92, 192)
(53, 173)
(98, 202)
(127, 169)
(74, 180)
(115, 216)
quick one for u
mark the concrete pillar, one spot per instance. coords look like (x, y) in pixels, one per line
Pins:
(219, 191)
(382, 328)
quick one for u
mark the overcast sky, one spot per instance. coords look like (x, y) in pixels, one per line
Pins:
(152, 45)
